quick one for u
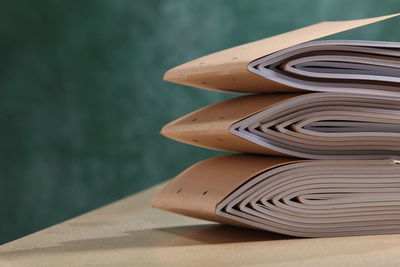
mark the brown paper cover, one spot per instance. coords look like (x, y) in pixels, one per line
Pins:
(209, 127)
(198, 190)
(227, 70)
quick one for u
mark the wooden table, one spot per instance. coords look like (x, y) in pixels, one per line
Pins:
(130, 233)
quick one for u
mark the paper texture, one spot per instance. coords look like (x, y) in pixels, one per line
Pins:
(364, 67)
(313, 126)
(209, 127)
(349, 126)
(317, 198)
(228, 70)
(197, 191)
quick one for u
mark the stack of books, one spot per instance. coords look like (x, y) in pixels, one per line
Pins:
(319, 136)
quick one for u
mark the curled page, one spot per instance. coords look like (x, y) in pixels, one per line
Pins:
(295, 62)
(313, 126)
(365, 67)
(307, 198)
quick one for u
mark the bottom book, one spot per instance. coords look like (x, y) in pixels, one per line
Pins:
(307, 198)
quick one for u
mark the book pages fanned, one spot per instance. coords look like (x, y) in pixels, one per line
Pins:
(307, 198)
(294, 61)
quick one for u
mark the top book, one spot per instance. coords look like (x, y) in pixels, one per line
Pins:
(295, 62)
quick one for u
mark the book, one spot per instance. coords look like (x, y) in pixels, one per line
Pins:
(297, 197)
(312, 126)
(324, 135)
(295, 61)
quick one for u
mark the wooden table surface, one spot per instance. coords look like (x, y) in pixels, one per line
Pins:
(130, 233)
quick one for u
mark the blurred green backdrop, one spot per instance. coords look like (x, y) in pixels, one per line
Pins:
(82, 98)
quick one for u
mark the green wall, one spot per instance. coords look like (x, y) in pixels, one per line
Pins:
(82, 98)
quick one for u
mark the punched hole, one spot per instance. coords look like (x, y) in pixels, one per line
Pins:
(179, 190)
(195, 140)
(222, 117)
(195, 119)
(235, 58)
(205, 192)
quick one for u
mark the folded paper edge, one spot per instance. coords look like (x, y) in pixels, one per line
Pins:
(227, 70)
(209, 127)
(197, 191)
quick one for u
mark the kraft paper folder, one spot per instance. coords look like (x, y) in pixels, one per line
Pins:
(292, 62)
(347, 133)
(313, 126)
(309, 198)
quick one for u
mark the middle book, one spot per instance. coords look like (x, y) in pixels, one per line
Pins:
(310, 125)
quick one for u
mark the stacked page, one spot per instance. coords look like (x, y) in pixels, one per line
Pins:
(309, 198)
(326, 131)
(294, 61)
(313, 126)
(365, 67)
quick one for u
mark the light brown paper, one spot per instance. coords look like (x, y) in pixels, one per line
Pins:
(313, 126)
(209, 127)
(308, 198)
(198, 190)
(227, 70)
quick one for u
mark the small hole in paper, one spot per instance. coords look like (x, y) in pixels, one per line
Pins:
(195, 119)
(221, 117)
(203, 83)
(205, 192)
(235, 58)
(219, 139)
(195, 140)
(180, 189)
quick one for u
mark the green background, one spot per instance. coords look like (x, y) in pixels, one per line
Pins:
(82, 98)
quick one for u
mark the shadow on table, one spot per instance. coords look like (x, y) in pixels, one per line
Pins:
(160, 237)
